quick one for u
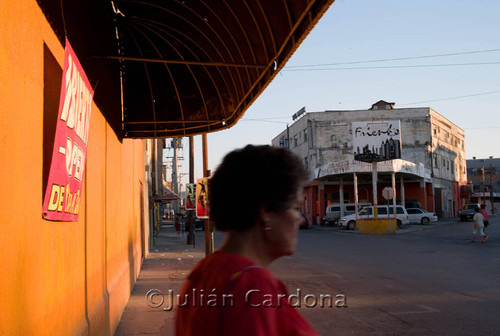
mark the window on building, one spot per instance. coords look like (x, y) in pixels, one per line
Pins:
(52, 76)
(305, 134)
(436, 161)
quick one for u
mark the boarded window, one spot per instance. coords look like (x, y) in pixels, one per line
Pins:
(52, 76)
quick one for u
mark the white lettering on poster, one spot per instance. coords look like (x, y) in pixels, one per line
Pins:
(74, 159)
(77, 102)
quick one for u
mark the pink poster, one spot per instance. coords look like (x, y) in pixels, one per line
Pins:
(64, 186)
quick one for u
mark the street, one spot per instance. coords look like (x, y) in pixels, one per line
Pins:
(424, 280)
(434, 281)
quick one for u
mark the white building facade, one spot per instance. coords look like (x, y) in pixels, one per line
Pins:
(431, 169)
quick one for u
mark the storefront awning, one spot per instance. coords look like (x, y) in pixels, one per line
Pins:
(166, 195)
(168, 68)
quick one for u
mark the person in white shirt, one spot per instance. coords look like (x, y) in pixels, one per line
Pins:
(478, 226)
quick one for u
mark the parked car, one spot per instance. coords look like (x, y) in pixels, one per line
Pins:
(199, 224)
(410, 203)
(332, 213)
(416, 215)
(468, 211)
(384, 211)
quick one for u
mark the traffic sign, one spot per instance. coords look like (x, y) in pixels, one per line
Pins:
(388, 193)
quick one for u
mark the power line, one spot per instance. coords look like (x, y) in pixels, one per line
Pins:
(394, 59)
(480, 128)
(270, 118)
(397, 66)
(265, 120)
(451, 98)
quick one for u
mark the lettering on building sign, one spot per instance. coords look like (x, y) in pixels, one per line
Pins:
(77, 102)
(370, 132)
(62, 196)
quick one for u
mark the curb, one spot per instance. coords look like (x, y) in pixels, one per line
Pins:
(404, 230)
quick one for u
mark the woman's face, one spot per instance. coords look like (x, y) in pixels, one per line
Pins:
(281, 236)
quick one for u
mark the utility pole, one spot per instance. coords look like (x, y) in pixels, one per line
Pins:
(491, 188)
(209, 234)
(374, 189)
(174, 179)
(191, 240)
(484, 187)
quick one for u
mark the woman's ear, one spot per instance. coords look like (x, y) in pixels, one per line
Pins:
(264, 215)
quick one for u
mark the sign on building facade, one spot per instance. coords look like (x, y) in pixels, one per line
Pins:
(64, 187)
(376, 141)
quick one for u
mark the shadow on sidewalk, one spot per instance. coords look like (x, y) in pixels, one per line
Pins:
(165, 268)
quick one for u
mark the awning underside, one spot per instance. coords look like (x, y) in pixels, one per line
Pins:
(176, 68)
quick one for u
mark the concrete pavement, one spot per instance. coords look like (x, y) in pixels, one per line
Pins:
(166, 268)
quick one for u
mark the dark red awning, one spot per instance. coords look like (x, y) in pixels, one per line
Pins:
(177, 68)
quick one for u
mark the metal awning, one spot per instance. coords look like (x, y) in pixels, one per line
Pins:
(166, 195)
(168, 68)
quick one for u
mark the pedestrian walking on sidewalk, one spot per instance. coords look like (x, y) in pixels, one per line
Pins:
(478, 226)
(255, 196)
(485, 215)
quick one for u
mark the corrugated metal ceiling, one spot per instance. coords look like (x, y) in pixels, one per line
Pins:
(168, 68)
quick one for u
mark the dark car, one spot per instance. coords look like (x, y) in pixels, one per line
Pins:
(199, 224)
(468, 211)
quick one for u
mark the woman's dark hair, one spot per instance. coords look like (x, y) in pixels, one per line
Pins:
(249, 178)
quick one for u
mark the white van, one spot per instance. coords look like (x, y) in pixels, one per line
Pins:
(332, 213)
(384, 211)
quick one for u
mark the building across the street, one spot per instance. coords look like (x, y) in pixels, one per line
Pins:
(483, 176)
(429, 172)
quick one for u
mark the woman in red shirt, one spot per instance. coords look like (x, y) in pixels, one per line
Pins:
(485, 215)
(255, 196)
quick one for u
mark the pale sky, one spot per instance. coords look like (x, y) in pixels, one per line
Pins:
(354, 34)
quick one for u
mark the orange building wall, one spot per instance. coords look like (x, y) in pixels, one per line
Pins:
(60, 278)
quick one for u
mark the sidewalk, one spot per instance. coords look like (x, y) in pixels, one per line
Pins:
(164, 269)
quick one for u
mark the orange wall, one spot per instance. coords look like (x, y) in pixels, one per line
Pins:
(60, 278)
